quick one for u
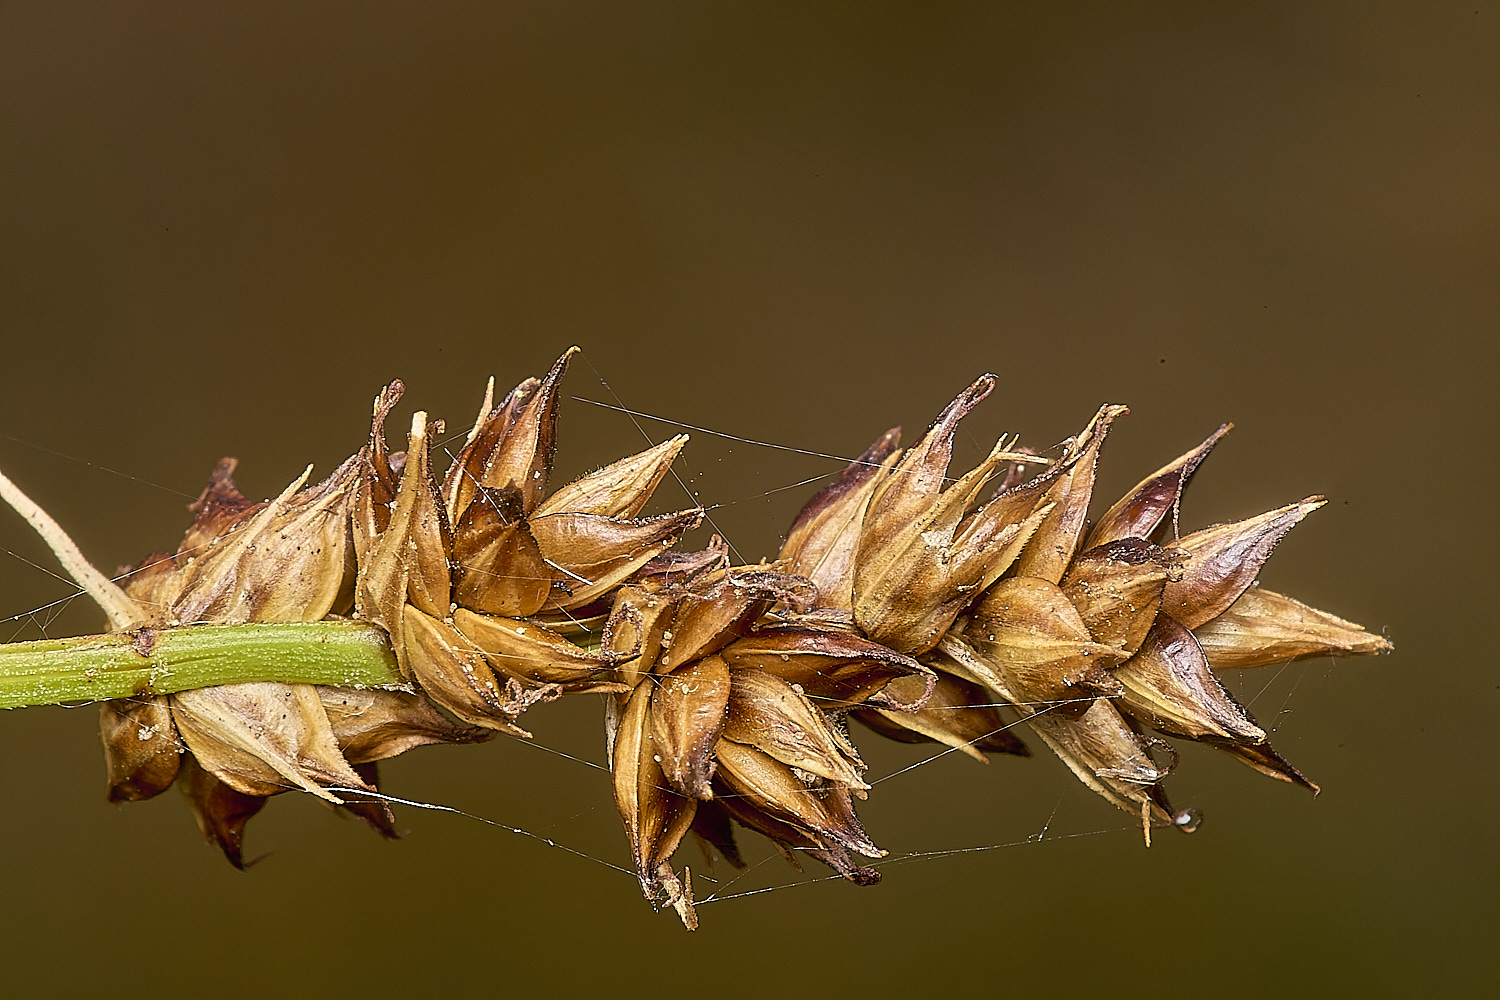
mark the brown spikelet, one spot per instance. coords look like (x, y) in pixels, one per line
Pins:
(931, 608)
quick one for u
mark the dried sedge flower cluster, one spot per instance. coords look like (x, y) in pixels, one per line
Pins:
(903, 598)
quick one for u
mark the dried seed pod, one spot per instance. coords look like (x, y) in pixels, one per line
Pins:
(262, 738)
(834, 667)
(1263, 627)
(1138, 513)
(619, 490)
(142, 752)
(824, 539)
(1051, 548)
(689, 707)
(641, 618)
(291, 561)
(794, 841)
(595, 553)
(498, 566)
(638, 628)
(535, 655)
(656, 818)
(1097, 743)
(372, 725)
(456, 674)
(1101, 749)
(511, 446)
(1028, 632)
(757, 781)
(1169, 687)
(1117, 589)
(776, 718)
(410, 559)
(1222, 561)
(920, 560)
(714, 616)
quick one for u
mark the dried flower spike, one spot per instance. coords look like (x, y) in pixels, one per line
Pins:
(903, 598)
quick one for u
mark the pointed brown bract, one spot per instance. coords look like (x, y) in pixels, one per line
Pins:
(218, 510)
(263, 738)
(456, 674)
(142, 752)
(221, 811)
(420, 519)
(1028, 631)
(712, 828)
(1090, 736)
(618, 490)
(498, 565)
(1264, 758)
(777, 718)
(1103, 752)
(1138, 513)
(920, 560)
(375, 811)
(754, 780)
(656, 818)
(377, 484)
(409, 562)
(1051, 548)
(834, 667)
(824, 540)
(1169, 687)
(794, 841)
(569, 550)
(689, 706)
(1222, 561)
(722, 610)
(1263, 627)
(511, 447)
(640, 621)
(594, 553)
(472, 468)
(382, 464)
(638, 626)
(373, 725)
(537, 656)
(1117, 589)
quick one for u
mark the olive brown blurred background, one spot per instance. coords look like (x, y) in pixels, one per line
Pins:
(225, 226)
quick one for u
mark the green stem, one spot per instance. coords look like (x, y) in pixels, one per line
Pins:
(144, 662)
